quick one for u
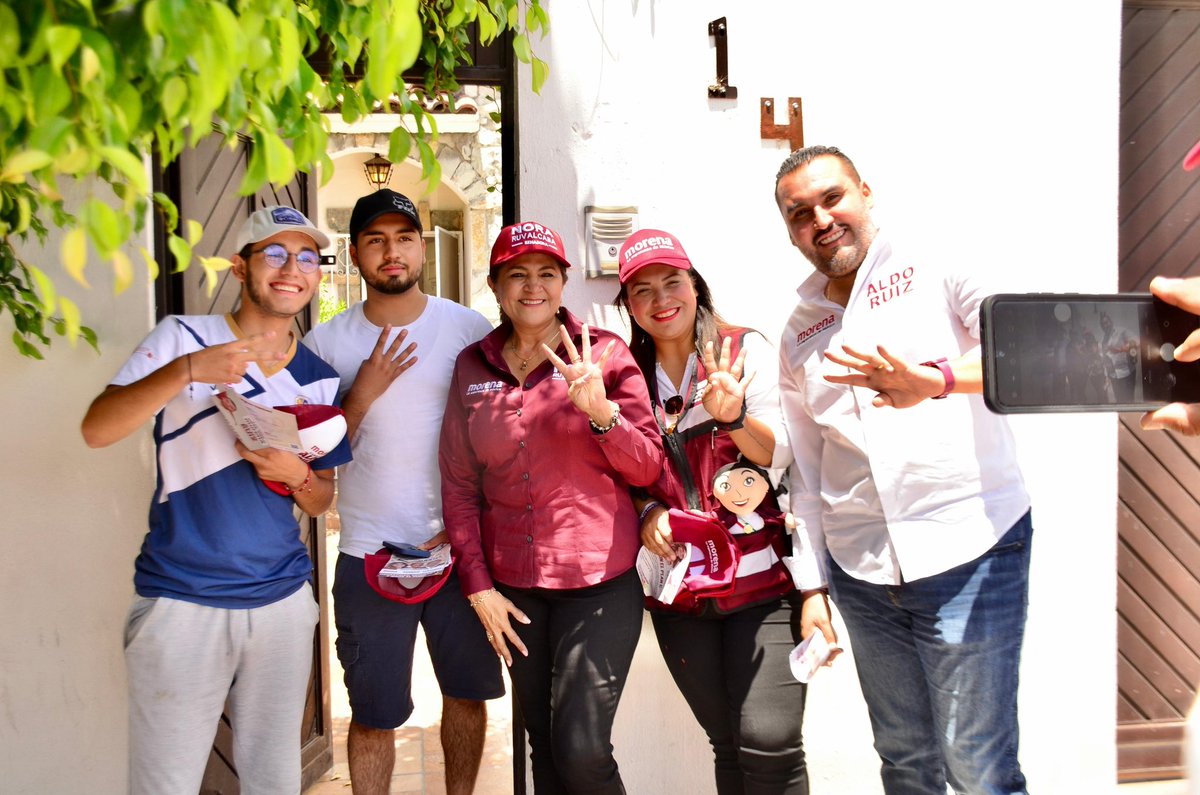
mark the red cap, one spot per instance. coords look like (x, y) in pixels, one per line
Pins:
(321, 428)
(715, 556)
(528, 237)
(1193, 158)
(651, 247)
(397, 590)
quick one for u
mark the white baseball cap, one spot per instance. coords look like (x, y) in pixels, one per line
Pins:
(275, 219)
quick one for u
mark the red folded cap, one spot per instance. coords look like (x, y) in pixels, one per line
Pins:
(321, 428)
(715, 556)
(399, 590)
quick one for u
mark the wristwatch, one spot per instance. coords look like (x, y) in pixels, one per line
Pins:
(738, 423)
(948, 374)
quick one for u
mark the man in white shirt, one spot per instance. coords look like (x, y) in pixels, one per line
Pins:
(915, 522)
(392, 492)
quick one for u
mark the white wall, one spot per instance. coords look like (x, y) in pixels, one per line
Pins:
(990, 128)
(73, 522)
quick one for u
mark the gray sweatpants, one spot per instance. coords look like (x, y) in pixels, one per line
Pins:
(184, 660)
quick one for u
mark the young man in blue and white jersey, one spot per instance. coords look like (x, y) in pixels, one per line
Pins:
(224, 609)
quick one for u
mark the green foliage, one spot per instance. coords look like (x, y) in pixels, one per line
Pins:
(92, 87)
(329, 302)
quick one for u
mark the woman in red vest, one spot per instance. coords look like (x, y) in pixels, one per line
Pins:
(713, 388)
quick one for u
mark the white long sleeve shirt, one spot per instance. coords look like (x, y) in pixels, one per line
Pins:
(893, 494)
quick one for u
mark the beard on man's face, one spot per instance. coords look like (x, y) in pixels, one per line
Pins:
(393, 285)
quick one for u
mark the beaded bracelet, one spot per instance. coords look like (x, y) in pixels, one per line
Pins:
(614, 422)
(476, 599)
(305, 486)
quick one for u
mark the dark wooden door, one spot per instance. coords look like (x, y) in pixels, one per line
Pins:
(203, 184)
(1158, 515)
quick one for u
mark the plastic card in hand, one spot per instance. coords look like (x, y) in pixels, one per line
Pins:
(808, 657)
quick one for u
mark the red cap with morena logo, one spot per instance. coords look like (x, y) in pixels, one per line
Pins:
(651, 247)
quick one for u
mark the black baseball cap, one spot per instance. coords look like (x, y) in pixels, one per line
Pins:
(381, 202)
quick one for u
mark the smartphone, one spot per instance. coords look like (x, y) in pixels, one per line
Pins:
(405, 550)
(1048, 352)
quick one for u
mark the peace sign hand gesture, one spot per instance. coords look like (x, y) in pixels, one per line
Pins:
(725, 392)
(585, 378)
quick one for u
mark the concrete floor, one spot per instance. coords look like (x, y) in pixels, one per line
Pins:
(420, 766)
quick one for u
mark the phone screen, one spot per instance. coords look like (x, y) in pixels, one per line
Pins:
(1047, 353)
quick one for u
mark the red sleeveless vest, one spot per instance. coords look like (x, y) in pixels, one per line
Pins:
(693, 458)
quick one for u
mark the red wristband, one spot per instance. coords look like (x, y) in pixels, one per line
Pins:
(948, 374)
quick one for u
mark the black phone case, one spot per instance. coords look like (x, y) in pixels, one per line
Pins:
(1043, 353)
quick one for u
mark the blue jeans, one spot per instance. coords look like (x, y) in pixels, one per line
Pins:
(938, 661)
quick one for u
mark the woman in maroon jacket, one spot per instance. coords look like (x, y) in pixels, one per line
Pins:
(547, 427)
(728, 654)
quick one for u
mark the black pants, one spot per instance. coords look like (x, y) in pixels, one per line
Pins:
(733, 671)
(581, 645)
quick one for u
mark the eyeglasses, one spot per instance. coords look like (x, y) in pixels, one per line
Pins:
(277, 256)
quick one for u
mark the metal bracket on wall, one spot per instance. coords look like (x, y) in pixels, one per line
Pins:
(721, 89)
(793, 131)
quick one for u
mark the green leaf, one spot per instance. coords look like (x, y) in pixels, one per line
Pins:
(130, 166)
(10, 37)
(521, 48)
(213, 266)
(122, 272)
(45, 288)
(70, 316)
(217, 264)
(61, 41)
(487, 26)
(89, 65)
(24, 348)
(24, 216)
(51, 93)
(399, 144)
(194, 232)
(182, 251)
(52, 136)
(74, 254)
(89, 336)
(151, 263)
(174, 93)
(281, 165)
(168, 208)
(539, 70)
(107, 230)
(256, 172)
(20, 164)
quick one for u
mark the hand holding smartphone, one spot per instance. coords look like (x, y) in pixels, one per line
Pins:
(1045, 352)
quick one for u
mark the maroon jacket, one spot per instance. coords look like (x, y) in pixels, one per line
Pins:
(531, 497)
